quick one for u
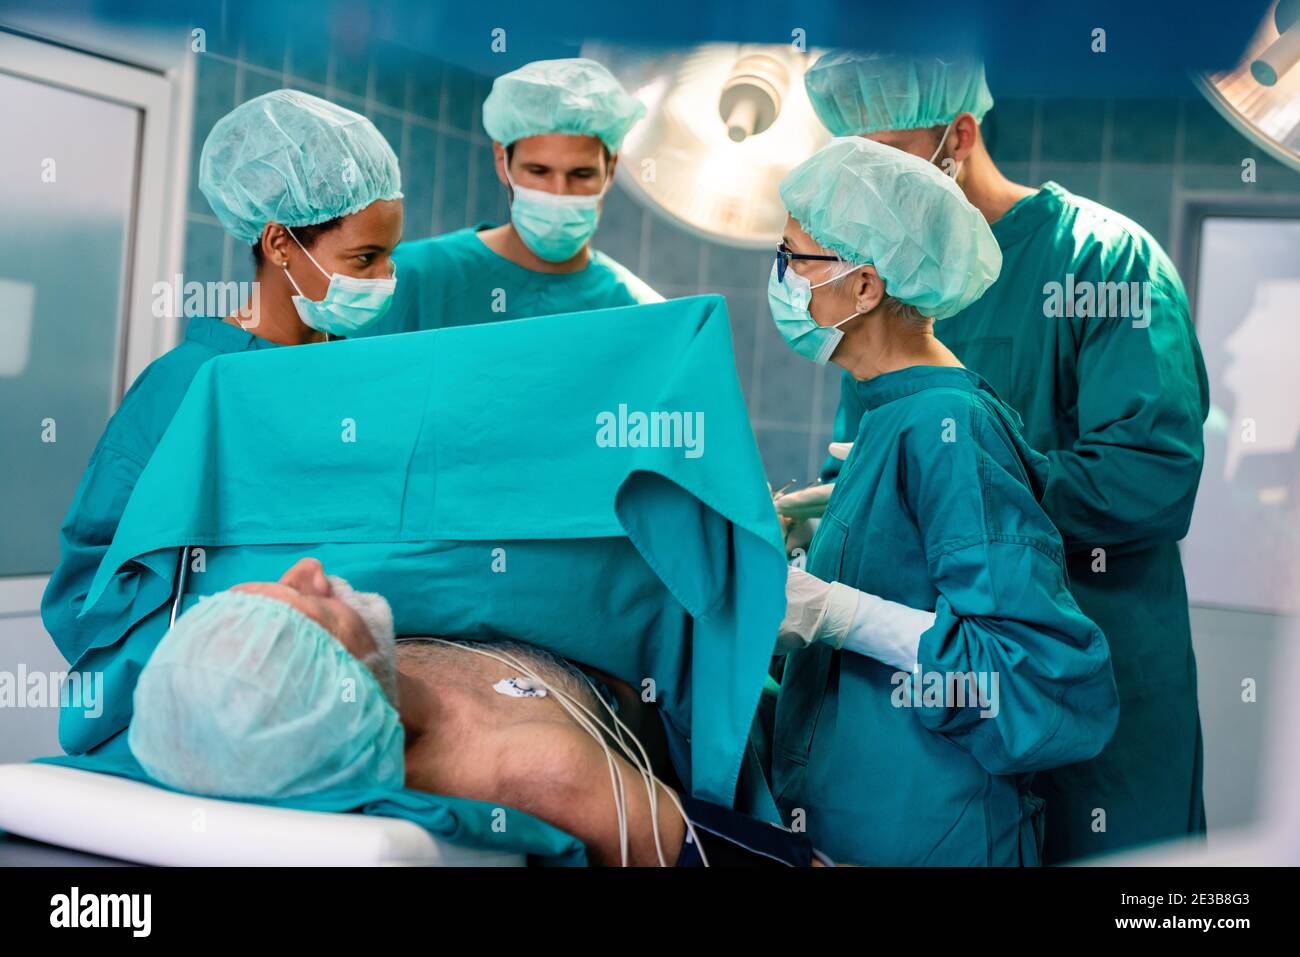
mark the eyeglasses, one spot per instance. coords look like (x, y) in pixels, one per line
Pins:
(784, 255)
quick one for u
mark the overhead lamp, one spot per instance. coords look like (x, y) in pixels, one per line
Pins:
(1261, 95)
(724, 123)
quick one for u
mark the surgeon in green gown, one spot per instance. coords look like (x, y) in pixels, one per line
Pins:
(556, 127)
(936, 658)
(1087, 334)
(314, 190)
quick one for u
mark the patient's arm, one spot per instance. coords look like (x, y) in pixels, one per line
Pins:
(560, 774)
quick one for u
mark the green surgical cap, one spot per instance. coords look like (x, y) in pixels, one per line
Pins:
(859, 93)
(247, 697)
(578, 97)
(873, 204)
(291, 158)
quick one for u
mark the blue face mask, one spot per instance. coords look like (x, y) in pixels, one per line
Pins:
(350, 304)
(554, 227)
(789, 300)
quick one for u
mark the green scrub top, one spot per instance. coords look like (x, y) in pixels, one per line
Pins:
(936, 508)
(455, 280)
(128, 441)
(1118, 410)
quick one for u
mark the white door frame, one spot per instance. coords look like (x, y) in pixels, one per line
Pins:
(155, 249)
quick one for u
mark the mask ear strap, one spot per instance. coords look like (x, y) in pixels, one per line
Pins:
(943, 139)
(308, 255)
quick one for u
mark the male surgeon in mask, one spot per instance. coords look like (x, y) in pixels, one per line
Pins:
(556, 128)
(1115, 402)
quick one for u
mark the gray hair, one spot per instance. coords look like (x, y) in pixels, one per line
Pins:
(894, 308)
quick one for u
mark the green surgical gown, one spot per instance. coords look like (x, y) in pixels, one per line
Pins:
(1118, 410)
(936, 508)
(128, 441)
(455, 280)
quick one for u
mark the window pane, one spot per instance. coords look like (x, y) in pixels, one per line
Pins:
(67, 184)
(1244, 546)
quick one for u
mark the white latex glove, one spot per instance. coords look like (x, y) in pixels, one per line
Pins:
(814, 611)
(856, 621)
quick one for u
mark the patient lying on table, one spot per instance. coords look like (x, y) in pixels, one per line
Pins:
(278, 689)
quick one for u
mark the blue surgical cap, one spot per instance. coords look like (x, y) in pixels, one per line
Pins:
(294, 159)
(579, 97)
(247, 697)
(859, 93)
(871, 203)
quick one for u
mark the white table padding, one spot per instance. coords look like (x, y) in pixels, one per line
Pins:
(117, 817)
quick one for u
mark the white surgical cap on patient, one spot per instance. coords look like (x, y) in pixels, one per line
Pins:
(578, 97)
(291, 158)
(871, 203)
(247, 697)
(858, 93)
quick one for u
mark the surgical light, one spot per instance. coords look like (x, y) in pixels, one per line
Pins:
(1260, 96)
(724, 123)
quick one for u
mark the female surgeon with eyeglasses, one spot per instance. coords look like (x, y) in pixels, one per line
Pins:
(936, 658)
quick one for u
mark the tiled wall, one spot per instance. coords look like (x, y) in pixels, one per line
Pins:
(1141, 157)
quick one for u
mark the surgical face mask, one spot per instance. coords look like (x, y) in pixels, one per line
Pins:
(935, 155)
(377, 615)
(790, 299)
(350, 304)
(554, 227)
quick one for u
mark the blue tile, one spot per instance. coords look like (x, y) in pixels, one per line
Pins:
(1144, 131)
(786, 381)
(1082, 179)
(254, 83)
(482, 87)
(1144, 194)
(214, 97)
(351, 71)
(390, 127)
(419, 181)
(784, 453)
(1272, 177)
(619, 234)
(732, 268)
(204, 252)
(261, 47)
(426, 88)
(1071, 130)
(489, 199)
(417, 212)
(390, 65)
(1209, 139)
(461, 100)
(672, 257)
(1222, 178)
(453, 174)
(742, 309)
(817, 454)
(308, 60)
(1009, 130)
(1019, 173)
